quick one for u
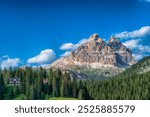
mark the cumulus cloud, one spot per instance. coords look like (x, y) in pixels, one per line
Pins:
(138, 56)
(71, 46)
(137, 41)
(45, 56)
(139, 50)
(132, 44)
(9, 62)
(67, 53)
(141, 33)
(145, 49)
(67, 46)
(5, 56)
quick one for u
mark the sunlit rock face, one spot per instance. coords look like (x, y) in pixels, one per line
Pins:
(96, 53)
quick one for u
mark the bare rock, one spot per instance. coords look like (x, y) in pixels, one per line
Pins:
(95, 52)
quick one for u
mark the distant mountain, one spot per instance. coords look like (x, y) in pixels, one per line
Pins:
(141, 67)
(95, 53)
(95, 56)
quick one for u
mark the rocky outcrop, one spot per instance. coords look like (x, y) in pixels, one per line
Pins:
(96, 53)
(124, 54)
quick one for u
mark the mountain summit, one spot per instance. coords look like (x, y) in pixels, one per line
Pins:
(96, 53)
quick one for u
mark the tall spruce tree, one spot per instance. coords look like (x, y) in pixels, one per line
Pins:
(32, 92)
(74, 88)
(56, 83)
(62, 89)
(50, 80)
(1, 86)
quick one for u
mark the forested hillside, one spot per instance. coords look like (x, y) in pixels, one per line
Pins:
(134, 83)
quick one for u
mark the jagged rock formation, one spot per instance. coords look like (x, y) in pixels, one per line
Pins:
(95, 53)
(124, 54)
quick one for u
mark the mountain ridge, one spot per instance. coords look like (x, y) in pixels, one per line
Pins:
(96, 53)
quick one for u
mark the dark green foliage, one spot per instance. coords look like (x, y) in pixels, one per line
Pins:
(16, 90)
(1, 86)
(56, 83)
(11, 93)
(50, 79)
(62, 89)
(133, 87)
(81, 95)
(32, 93)
(134, 83)
(74, 88)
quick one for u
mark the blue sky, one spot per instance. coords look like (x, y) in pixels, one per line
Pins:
(34, 32)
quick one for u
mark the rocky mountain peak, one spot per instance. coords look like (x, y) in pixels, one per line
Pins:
(95, 37)
(113, 39)
(95, 53)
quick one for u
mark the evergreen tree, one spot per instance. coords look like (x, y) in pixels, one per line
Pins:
(39, 83)
(66, 87)
(81, 94)
(16, 90)
(1, 86)
(32, 93)
(74, 89)
(62, 89)
(10, 73)
(50, 80)
(39, 86)
(56, 83)
(11, 93)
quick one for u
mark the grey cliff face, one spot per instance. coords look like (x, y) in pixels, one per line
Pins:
(124, 54)
(95, 50)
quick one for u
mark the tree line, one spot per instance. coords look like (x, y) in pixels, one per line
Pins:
(37, 84)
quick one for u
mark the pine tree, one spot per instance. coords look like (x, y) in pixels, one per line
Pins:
(65, 79)
(56, 83)
(62, 89)
(74, 89)
(39, 86)
(50, 80)
(11, 93)
(1, 86)
(32, 93)
(28, 75)
(81, 94)
(10, 73)
(16, 90)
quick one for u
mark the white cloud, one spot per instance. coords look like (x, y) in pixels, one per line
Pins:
(10, 62)
(71, 46)
(67, 46)
(82, 41)
(138, 49)
(132, 43)
(137, 40)
(5, 56)
(145, 48)
(45, 56)
(67, 53)
(138, 56)
(141, 33)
